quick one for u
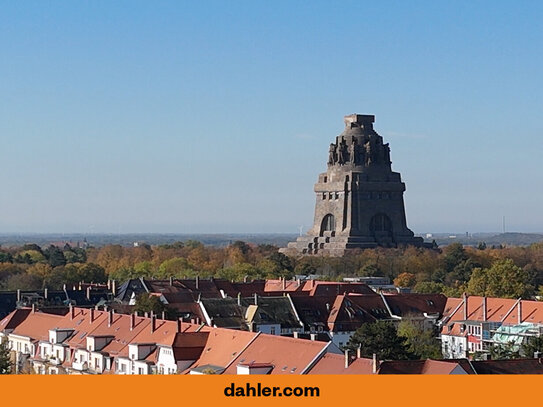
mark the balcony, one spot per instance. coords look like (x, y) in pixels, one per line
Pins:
(80, 366)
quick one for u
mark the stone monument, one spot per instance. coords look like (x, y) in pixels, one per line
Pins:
(359, 198)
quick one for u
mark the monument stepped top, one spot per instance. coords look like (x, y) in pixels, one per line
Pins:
(358, 119)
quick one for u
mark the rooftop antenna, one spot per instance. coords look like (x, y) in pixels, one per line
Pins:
(301, 228)
(503, 223)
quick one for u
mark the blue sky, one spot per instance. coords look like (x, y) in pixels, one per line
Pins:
(170, 116)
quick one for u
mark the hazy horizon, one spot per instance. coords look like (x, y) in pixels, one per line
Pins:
(211, 117)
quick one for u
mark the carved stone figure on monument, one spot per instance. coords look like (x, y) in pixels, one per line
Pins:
(332, 154)
(353, 150)
(367, 146)
(342, 152)
(387, 153)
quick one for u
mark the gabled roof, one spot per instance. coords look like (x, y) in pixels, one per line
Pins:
(223, 346)
(332, 363)
(499, 310)
(224, 312)
(313, 311)
(37, 325)
(273, 310)
(416, 304)
(349, 312)
(510, 366)
(13, 319)
(287, 355)
(318, 288)
(429, 366)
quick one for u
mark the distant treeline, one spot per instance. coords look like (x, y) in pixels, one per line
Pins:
(504, 272)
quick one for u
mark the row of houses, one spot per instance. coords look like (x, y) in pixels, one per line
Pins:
(475, 324)
(331, 310)
(90, 342)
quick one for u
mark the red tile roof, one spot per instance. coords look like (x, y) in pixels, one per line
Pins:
(14, 318)
(335, 364)
(287, 355)
(434, 367)
(223, 346)
(37, 325)
(497, 310)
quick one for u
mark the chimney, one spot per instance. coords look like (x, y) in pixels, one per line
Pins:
(33, 308)
(179, 325)
(18, 295)
(153, 318)
(79, 286)
(375, 364)
(45, 293)
(72, 312)
(163, 315)
(91, 315)
(256, 298)
(63, 287)
(132, 321)
(297, 282)
(465, 302)
(484, 309)
(346, 359)
(197, 282)
(136, 313)
(110, 318)
(171, 280)
(146, 314)
(245, 279)
(313, 337)
(113, 287)
(88, 293)
(239, 299)
(358, 352)
(284, 284)
(519, 313)
(296, 334)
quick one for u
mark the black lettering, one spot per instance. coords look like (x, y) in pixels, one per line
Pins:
(276, 391)
(298, 391)
(266, 391)
(240, 392)
(287, 391)
(251, 391)
(312, 392)
(229, 391)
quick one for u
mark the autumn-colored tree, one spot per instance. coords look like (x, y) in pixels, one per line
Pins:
(405, 280)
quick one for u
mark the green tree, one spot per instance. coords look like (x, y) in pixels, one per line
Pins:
(428, 287)
(422, 343)
(380, 338)
(55, 256)
(5, 359)
(504, 351)
(532, 345)
(177, 267)
(151, 303)
(503, 279)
